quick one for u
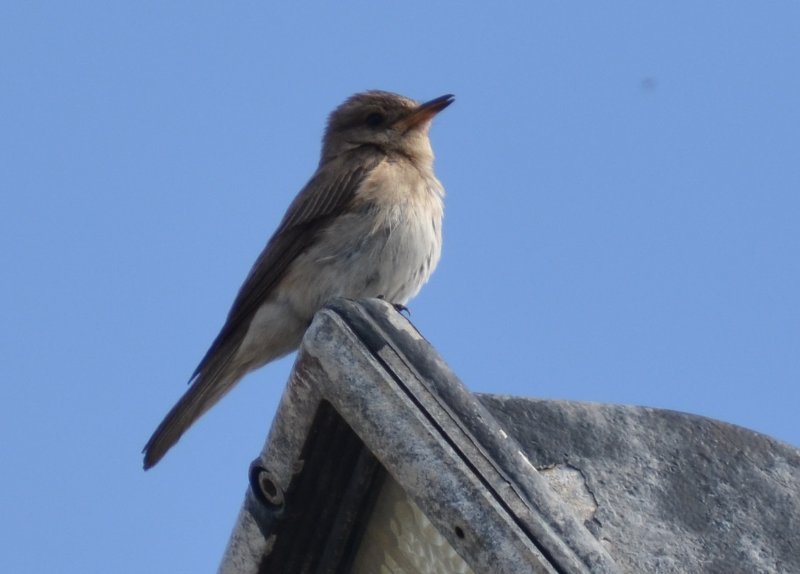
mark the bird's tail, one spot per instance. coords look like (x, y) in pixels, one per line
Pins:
(203, 394)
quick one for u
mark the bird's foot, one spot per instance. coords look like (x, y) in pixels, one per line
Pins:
(399, 307)
(402, 309)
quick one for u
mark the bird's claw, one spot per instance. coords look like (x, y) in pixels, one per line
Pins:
(402, 309)
(399, 307)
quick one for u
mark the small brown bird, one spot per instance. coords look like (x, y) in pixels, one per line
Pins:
(367, 224)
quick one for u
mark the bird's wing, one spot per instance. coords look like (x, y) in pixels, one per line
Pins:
(325, 196)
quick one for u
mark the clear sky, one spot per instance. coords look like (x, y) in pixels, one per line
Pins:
(622, 226)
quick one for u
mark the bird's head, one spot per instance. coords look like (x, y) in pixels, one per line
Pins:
(385, 120)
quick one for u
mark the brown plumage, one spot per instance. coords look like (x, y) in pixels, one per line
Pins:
(368, 223)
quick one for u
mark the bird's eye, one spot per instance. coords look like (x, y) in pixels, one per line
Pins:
(375, 119)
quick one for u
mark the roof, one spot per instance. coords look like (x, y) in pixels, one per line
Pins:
(512, 484)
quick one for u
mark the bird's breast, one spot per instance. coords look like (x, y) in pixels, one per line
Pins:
(387, 244)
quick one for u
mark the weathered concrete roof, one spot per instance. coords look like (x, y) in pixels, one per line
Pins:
(514, 484)
(668, 491)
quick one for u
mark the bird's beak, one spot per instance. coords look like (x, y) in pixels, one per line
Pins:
(423, 113)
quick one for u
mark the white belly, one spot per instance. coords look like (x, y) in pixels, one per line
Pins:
(355, 259)
(387, 246)
(385, 249)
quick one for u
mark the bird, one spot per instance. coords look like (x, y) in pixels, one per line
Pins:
(367, 224)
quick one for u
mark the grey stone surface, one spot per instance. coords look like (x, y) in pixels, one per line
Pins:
(439, 443)
(525, 485)
(365, 372)
(672, 492)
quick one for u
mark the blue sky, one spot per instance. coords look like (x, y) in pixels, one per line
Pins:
(621, 226)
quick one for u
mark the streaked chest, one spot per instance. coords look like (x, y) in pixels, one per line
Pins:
(398, 193)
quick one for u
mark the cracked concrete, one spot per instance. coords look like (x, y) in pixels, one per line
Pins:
(665, 491)
(569, 483)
